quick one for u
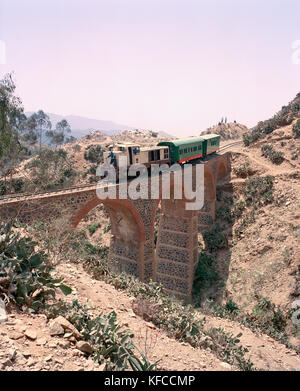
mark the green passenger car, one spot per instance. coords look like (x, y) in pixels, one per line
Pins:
(183, 150)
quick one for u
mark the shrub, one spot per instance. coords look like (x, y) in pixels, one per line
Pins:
(112, 344)
(243, 171)
(24, 273)
(268, 317)
(76, 148)
(238, 209)
(231, 306)
(17, 184)
(259, 190)
(296, 129)
(224, 213)
(3, 188)
(93, 228)
(205, 273)
(52, 169)
(226, 347)
(251, 137)
(215, 239)
(107, 228)
(94, 154)
(269, 152)
(284, 117)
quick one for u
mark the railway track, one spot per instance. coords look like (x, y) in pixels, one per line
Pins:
(230, 145)
(72, 189)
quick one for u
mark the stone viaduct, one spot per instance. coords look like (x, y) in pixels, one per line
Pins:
(132, 249)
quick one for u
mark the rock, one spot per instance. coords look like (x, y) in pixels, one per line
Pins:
(225, 365)
(31, 333)
(66, 325)
(15, 335)
(12, 354)
(6, 363)
(48, 358)
(64, 344)
(102, 367)
(31, 362)
(56, 329)
(52, 345)
(150, 325)
(41, 341)
(85, 347)
(3, 316)
(26, 353)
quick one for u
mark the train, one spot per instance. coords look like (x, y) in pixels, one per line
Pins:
(165, 152)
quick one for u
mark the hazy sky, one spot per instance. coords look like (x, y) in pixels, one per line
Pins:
(173, 65)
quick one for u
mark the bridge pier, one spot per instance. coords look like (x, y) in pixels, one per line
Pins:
(177, 248)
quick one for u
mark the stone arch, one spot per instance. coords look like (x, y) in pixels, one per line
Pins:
(117, 209)
(129, 251)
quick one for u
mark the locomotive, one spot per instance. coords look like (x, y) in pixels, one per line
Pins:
(168, 152)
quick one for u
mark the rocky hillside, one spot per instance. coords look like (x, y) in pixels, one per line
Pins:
(228, 131)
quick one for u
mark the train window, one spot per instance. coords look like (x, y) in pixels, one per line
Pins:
(166, 153)
(122, 149)
(195, 148)
(199, 147)
(154, 155)
(185, 150)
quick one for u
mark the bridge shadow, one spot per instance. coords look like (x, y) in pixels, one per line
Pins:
(215, 248)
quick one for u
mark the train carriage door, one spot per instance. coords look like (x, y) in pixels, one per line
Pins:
(204, 146)
(130, 154)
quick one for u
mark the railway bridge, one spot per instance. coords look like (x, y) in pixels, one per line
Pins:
(171, 262)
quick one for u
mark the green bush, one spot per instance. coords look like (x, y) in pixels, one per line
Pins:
(51, 169)
(296, 129)
(224, 213)
(93, 228)
(25, 274)
(259, 190)
(107, 228)
(238, 209)
(3, 188)
(215, 238)
(284, 117)
(231, 306)
(269, 152)
(112, 344)
(205, 273)
(94, 154)
(268, 317)
(243, 171)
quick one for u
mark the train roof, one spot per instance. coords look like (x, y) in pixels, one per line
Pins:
(209, 136)
(188, 140)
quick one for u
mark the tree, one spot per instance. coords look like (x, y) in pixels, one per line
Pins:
(11, 118)
(37, 125)
(51, 169)
(58, 136)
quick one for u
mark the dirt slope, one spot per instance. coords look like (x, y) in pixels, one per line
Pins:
(41, 351)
